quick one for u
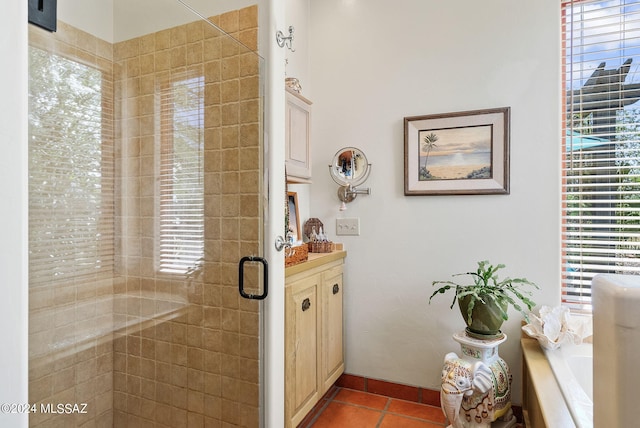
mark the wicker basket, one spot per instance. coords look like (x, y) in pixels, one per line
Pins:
(320, 247)
(296, 255)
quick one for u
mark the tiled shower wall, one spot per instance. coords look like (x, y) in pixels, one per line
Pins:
(185, 347)
(199, 365)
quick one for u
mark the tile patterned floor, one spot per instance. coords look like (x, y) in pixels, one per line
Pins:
(349, 408)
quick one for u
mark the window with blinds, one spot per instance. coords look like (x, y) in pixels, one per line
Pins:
(601, 144)
(182, 175)
(71, 201)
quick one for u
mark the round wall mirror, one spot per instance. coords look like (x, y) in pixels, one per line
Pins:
(349, 167)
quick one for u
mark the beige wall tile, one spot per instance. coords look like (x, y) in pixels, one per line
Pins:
(213, 116)
(230, 48)
(249, 111)
(249, 64)
(194, 53)
(229, 22)
(248, 17)
(162, 60)
(230, 67)
(249, 88)
(162, 40)
(178, 56)
(249, 38)
(195, 31)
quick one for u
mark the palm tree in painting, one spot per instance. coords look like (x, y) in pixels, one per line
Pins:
(428, 144)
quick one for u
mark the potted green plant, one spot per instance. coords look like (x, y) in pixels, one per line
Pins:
(485, 302)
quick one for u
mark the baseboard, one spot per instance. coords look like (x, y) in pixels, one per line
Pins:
(390, 389)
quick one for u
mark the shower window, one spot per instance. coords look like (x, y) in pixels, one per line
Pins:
(71, 194)
(182, 174)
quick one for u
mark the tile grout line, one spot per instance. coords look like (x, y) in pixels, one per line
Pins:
(384, 412)
(330, 399)
(404, 415)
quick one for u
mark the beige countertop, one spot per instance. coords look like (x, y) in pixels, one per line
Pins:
(315, 259)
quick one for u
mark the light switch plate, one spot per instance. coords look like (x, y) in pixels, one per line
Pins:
(348, 226)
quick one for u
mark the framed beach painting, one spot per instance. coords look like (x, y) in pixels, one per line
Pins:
(461, 153)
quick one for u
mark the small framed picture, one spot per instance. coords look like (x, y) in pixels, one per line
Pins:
(462, 153)
(294, 216)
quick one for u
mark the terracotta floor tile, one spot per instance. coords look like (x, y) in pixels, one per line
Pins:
(360, 398)
(395, 421)
(416, 410)
(348, 408)
(317, 409)
(338, 415)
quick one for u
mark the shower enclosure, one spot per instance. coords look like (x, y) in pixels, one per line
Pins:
(145, 192)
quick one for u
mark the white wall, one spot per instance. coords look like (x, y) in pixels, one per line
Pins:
(297, 65)
(373, 63)
(297, 61)
(139, 17)
(118, 20)
(13, 211)
(94, 17)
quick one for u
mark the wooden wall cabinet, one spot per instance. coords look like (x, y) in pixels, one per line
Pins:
(298, 138)
(314, 353)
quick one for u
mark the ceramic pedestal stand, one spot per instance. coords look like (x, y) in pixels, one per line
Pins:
(476, 388)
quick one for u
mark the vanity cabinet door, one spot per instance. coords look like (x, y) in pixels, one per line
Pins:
(298, 138)
(313, 328)
(332, 364)
(301, 383)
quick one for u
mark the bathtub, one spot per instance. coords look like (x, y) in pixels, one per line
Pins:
(557, 385)
(572, 366)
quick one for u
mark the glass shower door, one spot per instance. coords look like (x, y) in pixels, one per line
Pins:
(146, 166)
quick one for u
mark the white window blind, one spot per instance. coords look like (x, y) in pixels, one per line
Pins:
(182, 175)
(71, 210)
(601, 144)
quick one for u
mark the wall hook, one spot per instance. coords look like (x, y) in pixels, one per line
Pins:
(288, 41)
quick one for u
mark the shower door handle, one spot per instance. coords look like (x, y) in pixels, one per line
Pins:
(265, 276)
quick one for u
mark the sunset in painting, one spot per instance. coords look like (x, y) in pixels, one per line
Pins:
(455, 153)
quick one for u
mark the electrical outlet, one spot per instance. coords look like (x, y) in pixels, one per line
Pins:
(348, 226)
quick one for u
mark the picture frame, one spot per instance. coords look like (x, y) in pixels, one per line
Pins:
(294, 216)
(460, 153)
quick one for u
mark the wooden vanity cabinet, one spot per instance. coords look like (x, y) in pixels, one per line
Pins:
(331, 343)
(314, 353)
(298, 138)
(302, 390)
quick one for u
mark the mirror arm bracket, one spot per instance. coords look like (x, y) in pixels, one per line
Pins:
(348, 193)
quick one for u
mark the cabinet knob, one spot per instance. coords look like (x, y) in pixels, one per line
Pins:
(306, 304)
(336, 288)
